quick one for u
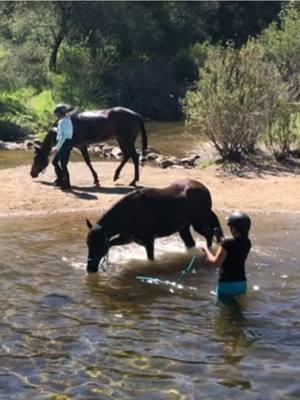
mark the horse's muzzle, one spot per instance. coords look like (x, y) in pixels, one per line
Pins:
(92, 266)
(91, 269)
(33, 174)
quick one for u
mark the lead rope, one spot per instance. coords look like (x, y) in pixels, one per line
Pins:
(186, 270)
(181, 276)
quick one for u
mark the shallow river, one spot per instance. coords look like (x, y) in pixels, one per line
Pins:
(109, 336)
(168, 138)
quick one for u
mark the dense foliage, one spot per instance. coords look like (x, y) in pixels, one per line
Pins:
(142, 55)
(243, 95)
(135, 54)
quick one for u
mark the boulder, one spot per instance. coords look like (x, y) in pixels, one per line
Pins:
(28, 144)
(166, 163)
(190, 161)
(116, 153)
(151, 156)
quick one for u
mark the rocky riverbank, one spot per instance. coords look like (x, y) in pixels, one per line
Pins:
(113, 153)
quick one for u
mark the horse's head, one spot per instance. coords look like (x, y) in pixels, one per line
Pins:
(97, 242)
(40, 161)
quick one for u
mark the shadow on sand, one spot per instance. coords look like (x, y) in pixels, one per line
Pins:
(88, 192)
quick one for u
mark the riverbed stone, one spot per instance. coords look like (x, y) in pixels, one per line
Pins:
(166, 163)
(28, 144)
(116, 153)
(151, 156)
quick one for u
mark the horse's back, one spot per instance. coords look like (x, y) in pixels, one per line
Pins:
(122, 111)
(186, 196)
(109, 122)
(192, 196)
(90, 115)
(160, 211)
(106, 112)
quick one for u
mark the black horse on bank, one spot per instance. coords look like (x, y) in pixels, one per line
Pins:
(93, 127)
(149, 213)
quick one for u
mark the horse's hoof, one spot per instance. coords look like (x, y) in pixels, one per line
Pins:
(58, 182)
(116, 177)
(132, 183)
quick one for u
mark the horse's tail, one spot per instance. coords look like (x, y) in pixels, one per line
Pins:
(144, 135)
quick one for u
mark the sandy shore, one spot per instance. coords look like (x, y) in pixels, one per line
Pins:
(22, 195)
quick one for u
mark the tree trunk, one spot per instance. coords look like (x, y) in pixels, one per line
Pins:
(54, 53)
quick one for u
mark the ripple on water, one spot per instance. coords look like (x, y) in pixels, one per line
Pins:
(109, 336)
(56, 300)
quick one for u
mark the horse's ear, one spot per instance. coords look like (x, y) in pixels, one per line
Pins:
(89, 224)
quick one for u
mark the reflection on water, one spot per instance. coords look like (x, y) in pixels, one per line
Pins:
(110, 336)
(14, 158)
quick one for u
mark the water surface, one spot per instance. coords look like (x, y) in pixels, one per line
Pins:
(167, 138)
(110, 336)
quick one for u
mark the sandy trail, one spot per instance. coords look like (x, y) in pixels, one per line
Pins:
(22, 195)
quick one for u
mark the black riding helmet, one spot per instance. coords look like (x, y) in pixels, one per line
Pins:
(61, 109)
(240, 220)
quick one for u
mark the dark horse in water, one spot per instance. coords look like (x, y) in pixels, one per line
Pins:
(93, 127)
(146, 214)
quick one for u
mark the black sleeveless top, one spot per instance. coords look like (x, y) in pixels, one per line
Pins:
(233, 267)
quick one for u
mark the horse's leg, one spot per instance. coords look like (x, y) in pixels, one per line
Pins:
(149, 244)
(120, 167)
(187, 238)
(124, 159)
(205, 231)
(86, 157)
(135, 158)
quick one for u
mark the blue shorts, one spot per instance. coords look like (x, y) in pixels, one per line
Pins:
(227, 290)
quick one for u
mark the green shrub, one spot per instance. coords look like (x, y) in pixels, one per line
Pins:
(235, 99)
(283, 136)
(25, 111)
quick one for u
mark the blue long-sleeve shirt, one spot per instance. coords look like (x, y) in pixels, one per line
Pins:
(64, 131)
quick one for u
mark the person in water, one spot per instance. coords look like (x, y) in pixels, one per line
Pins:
(63, 146)
(231, 256)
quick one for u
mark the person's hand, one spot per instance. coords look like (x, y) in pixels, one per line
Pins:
(54, 151)
(204, 248)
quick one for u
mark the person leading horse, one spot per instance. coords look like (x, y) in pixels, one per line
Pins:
(63, 146)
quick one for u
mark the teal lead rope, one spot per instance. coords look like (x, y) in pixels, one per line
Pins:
(157, 280)
(186, 270)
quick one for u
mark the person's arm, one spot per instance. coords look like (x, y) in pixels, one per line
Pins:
(60, 136)
(217, 259)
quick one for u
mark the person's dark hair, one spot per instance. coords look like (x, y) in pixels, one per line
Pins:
(241, 221)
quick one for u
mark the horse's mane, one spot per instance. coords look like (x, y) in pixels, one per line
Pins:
(117, 207)
(49, 141)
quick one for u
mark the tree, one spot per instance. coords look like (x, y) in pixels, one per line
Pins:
(236, 99)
